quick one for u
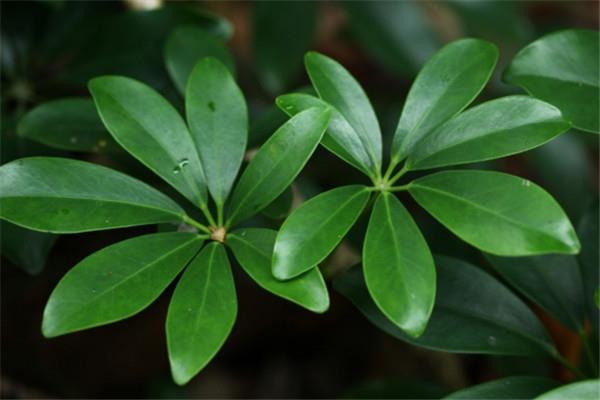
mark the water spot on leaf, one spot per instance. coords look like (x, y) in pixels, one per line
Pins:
(179, 167)
(102, 143)
(73, 139)
(492, 340)
(243, 233)
(526, 182)
(211, 106)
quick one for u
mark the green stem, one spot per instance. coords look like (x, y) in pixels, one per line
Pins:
(219, 214)
(588, 351)
(399, 175)
(400, 188)
(208, 215)
(196, 224)
(567, 364)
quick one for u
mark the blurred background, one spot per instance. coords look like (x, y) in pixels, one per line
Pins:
(50, 49)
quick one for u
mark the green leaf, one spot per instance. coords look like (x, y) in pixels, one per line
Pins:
(283, 32)
(149, 128)
(553, 282)
(70, 124)
(117, 281)
(253, 248)
(512, 387)
(398, 266)
(201, 313)
(68, 196)
(25, 248)
(397, 34)
(341, 139)
(218, 118)
(582, 390)
(473, 313)
(281, 206)
(494, 129)
(448, 83)
(589, 259)
(277, 163)
(498, 213)
(337, 87)
(315, 228)
(563, 69)
(186, 46)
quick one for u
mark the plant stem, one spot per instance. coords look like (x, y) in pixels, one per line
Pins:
(207, 214)
(399, 175)
(567, 364)
(399, 188)
(588, 351)
(389, 170)
(219, 214)
(196, 224)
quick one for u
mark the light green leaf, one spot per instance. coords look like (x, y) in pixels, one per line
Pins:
(201, 313)
(494, 129)
(582, 390)
(149, 128)
(562, 68)
(117, 281)
(315, 228)
(218, 118)
(68, 196)
(277, 163)
(337, 87)
(498, 213)
(512, 387)
(398, 266)
(553, 282)
(186, 46)
(473, 313)
(70, 124)
(25, 248)
(448, 83)
(253, 248)
(341, 139)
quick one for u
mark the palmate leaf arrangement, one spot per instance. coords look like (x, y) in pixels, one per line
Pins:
(500, 214)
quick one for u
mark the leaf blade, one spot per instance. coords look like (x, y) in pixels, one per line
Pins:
(512, 387)
(583, 390)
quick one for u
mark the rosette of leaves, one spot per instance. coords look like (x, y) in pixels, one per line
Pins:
(200, 158)
(498, 213)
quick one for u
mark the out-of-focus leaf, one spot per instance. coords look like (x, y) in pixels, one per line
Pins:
(582, 390)
(589, 260)
(395, 389)
(25, 248)
(513, 387)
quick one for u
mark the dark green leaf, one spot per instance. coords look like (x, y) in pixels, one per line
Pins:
(68, 196)
(25, 248)
(513, 387)
(149, 128)
(315, 228)
(589, 260)
(341, 139)
(397, 34)
(494, 129)
(281, 206)
(186, 46)
(218, 118)
(553, 282)
(278, 162)
(201, 314)
(562, 68)
(67, 124)
(337, 87)
(283, 32)
(448, 83)
(473, 313)
(253, 248)
(117, 281)
(398, 266)
(498, 213)
(582, 390)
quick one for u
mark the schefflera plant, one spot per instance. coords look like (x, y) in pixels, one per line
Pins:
(496, 212)
(200, 157)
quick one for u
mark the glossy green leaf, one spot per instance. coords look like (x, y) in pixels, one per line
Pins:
(341, 139)
(337, 87)
(315, 228)
(397, 34)
(498, 213)
(283, 32)
(253, 248)
(494, 129)
(117, 281)
(513, 387)
(277, 163)
(281, 206)
(201, 313)
(149, 128)
(68, 196)
(218, 119)
(186, 46)
(398, 266)
(448, 83)
(70, 124)
(563, 68)
(473, 313)
(589, 258)
(582, 390)
(25, 248)
(553, 282)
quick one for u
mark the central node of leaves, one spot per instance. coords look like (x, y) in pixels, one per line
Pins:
(218, 233)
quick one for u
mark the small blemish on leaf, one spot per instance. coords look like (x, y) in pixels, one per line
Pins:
(211, 106)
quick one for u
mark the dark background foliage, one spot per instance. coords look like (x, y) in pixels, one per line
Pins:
(51, 48)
